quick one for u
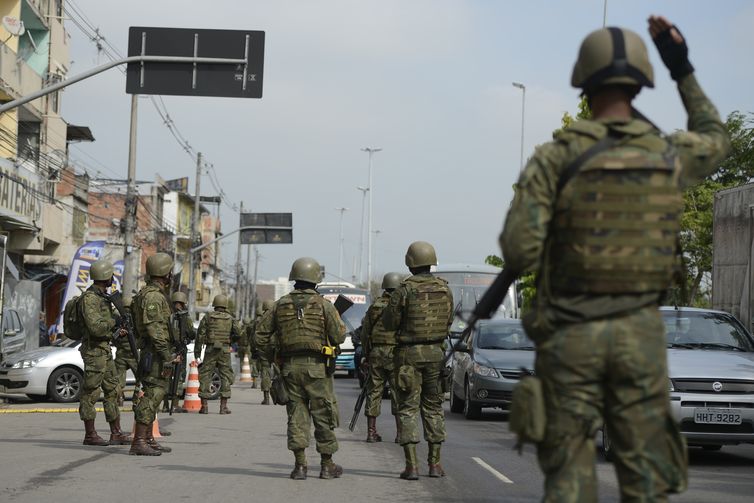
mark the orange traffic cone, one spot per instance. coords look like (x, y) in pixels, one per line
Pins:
(245, 370)
(191, 401)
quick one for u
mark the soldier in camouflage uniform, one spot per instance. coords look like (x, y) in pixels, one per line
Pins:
(421, 311)
(217, 331)
(124, 361)
(379, 348)
(245, 351)
(183, 329)
(99, 368)
(261, 363)
(298, 327)
(604, 247)
(151, 312)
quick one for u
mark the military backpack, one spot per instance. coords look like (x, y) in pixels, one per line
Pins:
(73, 319)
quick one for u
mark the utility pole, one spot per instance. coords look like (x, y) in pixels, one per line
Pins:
(195, 232)
(340, 243)
(523, 115)
(131, 260)
(254, 284)
(370, 151)
(246, 287)
(238, 269)
(364, 191)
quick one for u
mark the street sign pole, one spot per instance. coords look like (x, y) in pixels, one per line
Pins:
(131, 261)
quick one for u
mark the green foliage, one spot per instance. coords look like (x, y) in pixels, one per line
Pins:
(584, 112)
(494, 260)
(525, 285)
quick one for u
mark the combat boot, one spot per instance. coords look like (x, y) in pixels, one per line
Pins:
(329, 470)
(253, 383)
(224, 406)
(153, 443)
(90, 435)
(117, 436)
(203, 409)
(299, 472)
(139, 445)
(179, 410)
(412, 465)
(266, 400)
(433, 460)
(397, 430)
(372, 435)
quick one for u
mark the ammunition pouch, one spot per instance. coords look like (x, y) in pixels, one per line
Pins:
(278, 391)
(528, 419)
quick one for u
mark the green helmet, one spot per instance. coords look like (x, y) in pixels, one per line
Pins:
(306, 269)
(267, 305)
(391, 280)
(101, 270)
(220, 301)
(179, 297)
(420, 253)
(612, 56)
(159, 265)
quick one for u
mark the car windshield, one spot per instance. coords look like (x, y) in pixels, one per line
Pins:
(502, 336)
(705, 330)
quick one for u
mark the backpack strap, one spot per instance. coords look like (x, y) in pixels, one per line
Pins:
(574, 166)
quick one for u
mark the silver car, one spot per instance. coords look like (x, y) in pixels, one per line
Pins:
(711, 368)
(488, 365)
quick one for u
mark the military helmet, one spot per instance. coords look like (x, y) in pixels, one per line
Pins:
(391, 280)
(420, 253)
(612, 56)
(220, 301)
(267, 305)
(101, 270)
(179, 297)
(306, 269)
(159, 265)
(231, 305)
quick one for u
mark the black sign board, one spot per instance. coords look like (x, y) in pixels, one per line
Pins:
(200, 79)
(270, 228)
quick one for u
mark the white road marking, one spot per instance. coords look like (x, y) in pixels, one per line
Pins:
(494, 472)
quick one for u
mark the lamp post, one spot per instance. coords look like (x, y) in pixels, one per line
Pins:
(340, 242)
(523, 110)
(364, 191)
(370, 151)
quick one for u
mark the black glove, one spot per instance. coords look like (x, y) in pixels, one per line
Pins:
(674, 55)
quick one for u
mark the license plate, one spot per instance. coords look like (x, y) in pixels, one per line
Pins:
(717, 416)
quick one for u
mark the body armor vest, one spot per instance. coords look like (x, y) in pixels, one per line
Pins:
(301, 323)
(380, 334)
(428, 309)
(219, 325)
(616, 222)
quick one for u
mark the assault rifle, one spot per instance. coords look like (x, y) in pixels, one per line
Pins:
(180, 348)
(116, 299)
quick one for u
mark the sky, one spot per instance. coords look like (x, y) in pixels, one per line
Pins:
(428, 81)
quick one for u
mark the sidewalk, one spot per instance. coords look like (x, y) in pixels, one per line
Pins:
(240, 457)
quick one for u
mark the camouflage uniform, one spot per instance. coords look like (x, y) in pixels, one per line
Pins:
(299, 340)
(604, 354)
(182, 327)
(124, 361)
(216, 331)
(99, 368)
(421, 310)
(379, 348)
(261, 364)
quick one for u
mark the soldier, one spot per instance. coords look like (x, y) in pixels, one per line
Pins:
(151, 312)
(421, 311)
(602, 236)
(379, 347)
(261, 363)
(300, 326)
(217, 331)
(124, 361)
(244, 350)
(183, 329)
(99, 368)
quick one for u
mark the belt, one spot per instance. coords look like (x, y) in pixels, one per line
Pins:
(382, 344)
(420, 343)
(304, 358)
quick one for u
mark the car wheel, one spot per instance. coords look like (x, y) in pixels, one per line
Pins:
(64, 384)
(607, 445)
(456, 402)
(215, 385)
(37, 398)
(712, 447)
(471, 410)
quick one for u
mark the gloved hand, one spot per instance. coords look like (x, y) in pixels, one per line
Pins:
(672, 47)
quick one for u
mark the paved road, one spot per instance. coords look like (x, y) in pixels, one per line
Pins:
(242, 457)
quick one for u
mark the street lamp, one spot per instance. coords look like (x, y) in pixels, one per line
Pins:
(523, 109)
(340, 242)
(370, 151)
(364, 191)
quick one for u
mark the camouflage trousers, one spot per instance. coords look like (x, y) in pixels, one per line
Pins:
(616, 367)
(215, 358)
(418, 391)
(155, 387)
(99, 373)
(123, 362)
(381, 371)
(262, 368)
(312, 399)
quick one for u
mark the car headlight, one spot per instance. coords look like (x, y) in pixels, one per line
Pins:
(483, 371)
(670, 383)
(25, 364)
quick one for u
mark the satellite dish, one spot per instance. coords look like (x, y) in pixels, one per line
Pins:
(13, 25)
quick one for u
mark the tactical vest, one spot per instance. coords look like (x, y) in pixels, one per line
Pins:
(428, 309)
(380, 335)
(219, 326)
(301, 323)
(137, 308)
(616, 222)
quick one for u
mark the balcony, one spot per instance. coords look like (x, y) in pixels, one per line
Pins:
(18, 79)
